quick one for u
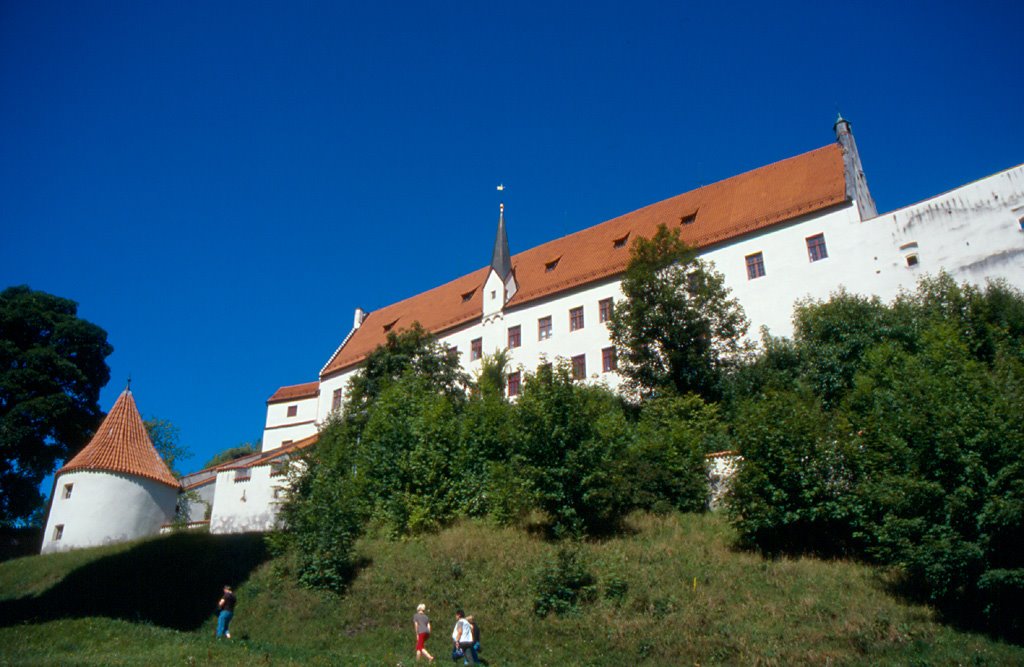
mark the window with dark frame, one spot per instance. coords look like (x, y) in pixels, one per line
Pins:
(58, 531)
(576, 318)
(755, 265)
(579, 367)
(604, 309)
(816, 247)
(609, 362)
(476, 349)
(293, 410)
(544, 328)
(67, 490)
(336, 400)
(515, 336)
(513, 383)
(552, 265)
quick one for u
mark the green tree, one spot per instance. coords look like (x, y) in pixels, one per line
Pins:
(571, 448)
(52, 367)
(412, 349)
(666, 461)
(325, 511)
(166, 438)
(233, 453)
(677, 329)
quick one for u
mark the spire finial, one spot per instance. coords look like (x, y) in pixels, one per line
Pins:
(128, 387)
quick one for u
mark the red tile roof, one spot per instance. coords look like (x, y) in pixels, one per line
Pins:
(121, 444)
(295, 391)
(712, 214)
(272, 455)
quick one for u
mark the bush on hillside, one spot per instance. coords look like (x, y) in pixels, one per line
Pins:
(563, 583)
(926, 476)
(666, 468)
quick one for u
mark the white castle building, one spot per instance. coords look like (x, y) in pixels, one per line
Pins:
(801, 227)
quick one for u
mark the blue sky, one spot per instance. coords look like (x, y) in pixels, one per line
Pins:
(220, 184)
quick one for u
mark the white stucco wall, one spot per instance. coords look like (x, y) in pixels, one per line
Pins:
(106, 508)
(246, 499)
(280, 428)
(203, 501)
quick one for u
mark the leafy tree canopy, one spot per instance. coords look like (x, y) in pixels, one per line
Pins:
(52, 367)
(233, 453)
(166, 438)
(413, 349)
(677, 329)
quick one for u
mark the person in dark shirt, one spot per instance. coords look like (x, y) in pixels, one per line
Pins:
(227, 611)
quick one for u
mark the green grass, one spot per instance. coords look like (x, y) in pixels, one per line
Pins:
(743, 610)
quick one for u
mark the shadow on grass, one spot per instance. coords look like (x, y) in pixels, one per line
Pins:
(173, 582)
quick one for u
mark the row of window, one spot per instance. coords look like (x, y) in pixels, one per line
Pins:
(816, 250)
(544, 328)
(609, 363)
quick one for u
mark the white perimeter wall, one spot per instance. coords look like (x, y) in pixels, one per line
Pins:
(247, 500)
(105, 508)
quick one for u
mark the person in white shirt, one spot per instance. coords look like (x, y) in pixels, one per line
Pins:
(462, 635)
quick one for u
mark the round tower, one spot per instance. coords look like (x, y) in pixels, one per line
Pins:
(116, 489)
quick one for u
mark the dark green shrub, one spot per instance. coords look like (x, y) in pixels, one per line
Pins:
(563, 584)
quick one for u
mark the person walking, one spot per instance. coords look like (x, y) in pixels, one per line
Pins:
(462, 635)
(227, 612)
(476, 636)
(421, 622)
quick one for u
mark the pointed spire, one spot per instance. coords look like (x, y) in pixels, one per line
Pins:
(122, 445)
(501, 260)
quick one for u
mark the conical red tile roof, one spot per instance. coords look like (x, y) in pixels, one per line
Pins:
(121, 444)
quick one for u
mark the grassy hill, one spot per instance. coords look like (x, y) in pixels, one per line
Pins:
(672, 592)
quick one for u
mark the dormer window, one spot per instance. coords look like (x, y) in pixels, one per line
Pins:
(621, 241)
(688, 219)
(466, 296)
(390, 325)
(550, 266)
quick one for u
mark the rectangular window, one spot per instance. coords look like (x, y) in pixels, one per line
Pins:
(513, 383)
(58, 531)
(816, 247)
(293, 410)
(67, 490)
(476, 349)
(243, 475)
(544, 328)
(278, 468)
(515, 336)
(576, 318)
(604, 310)
(755, 266)
(609, 362)
(336, 400)
(579, 367)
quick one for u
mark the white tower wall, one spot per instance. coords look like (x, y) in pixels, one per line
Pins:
(105, 508)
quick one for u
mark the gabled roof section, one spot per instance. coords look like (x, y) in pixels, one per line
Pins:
(121, 444)
(436, 310)
(295, 391)
(713, 214)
